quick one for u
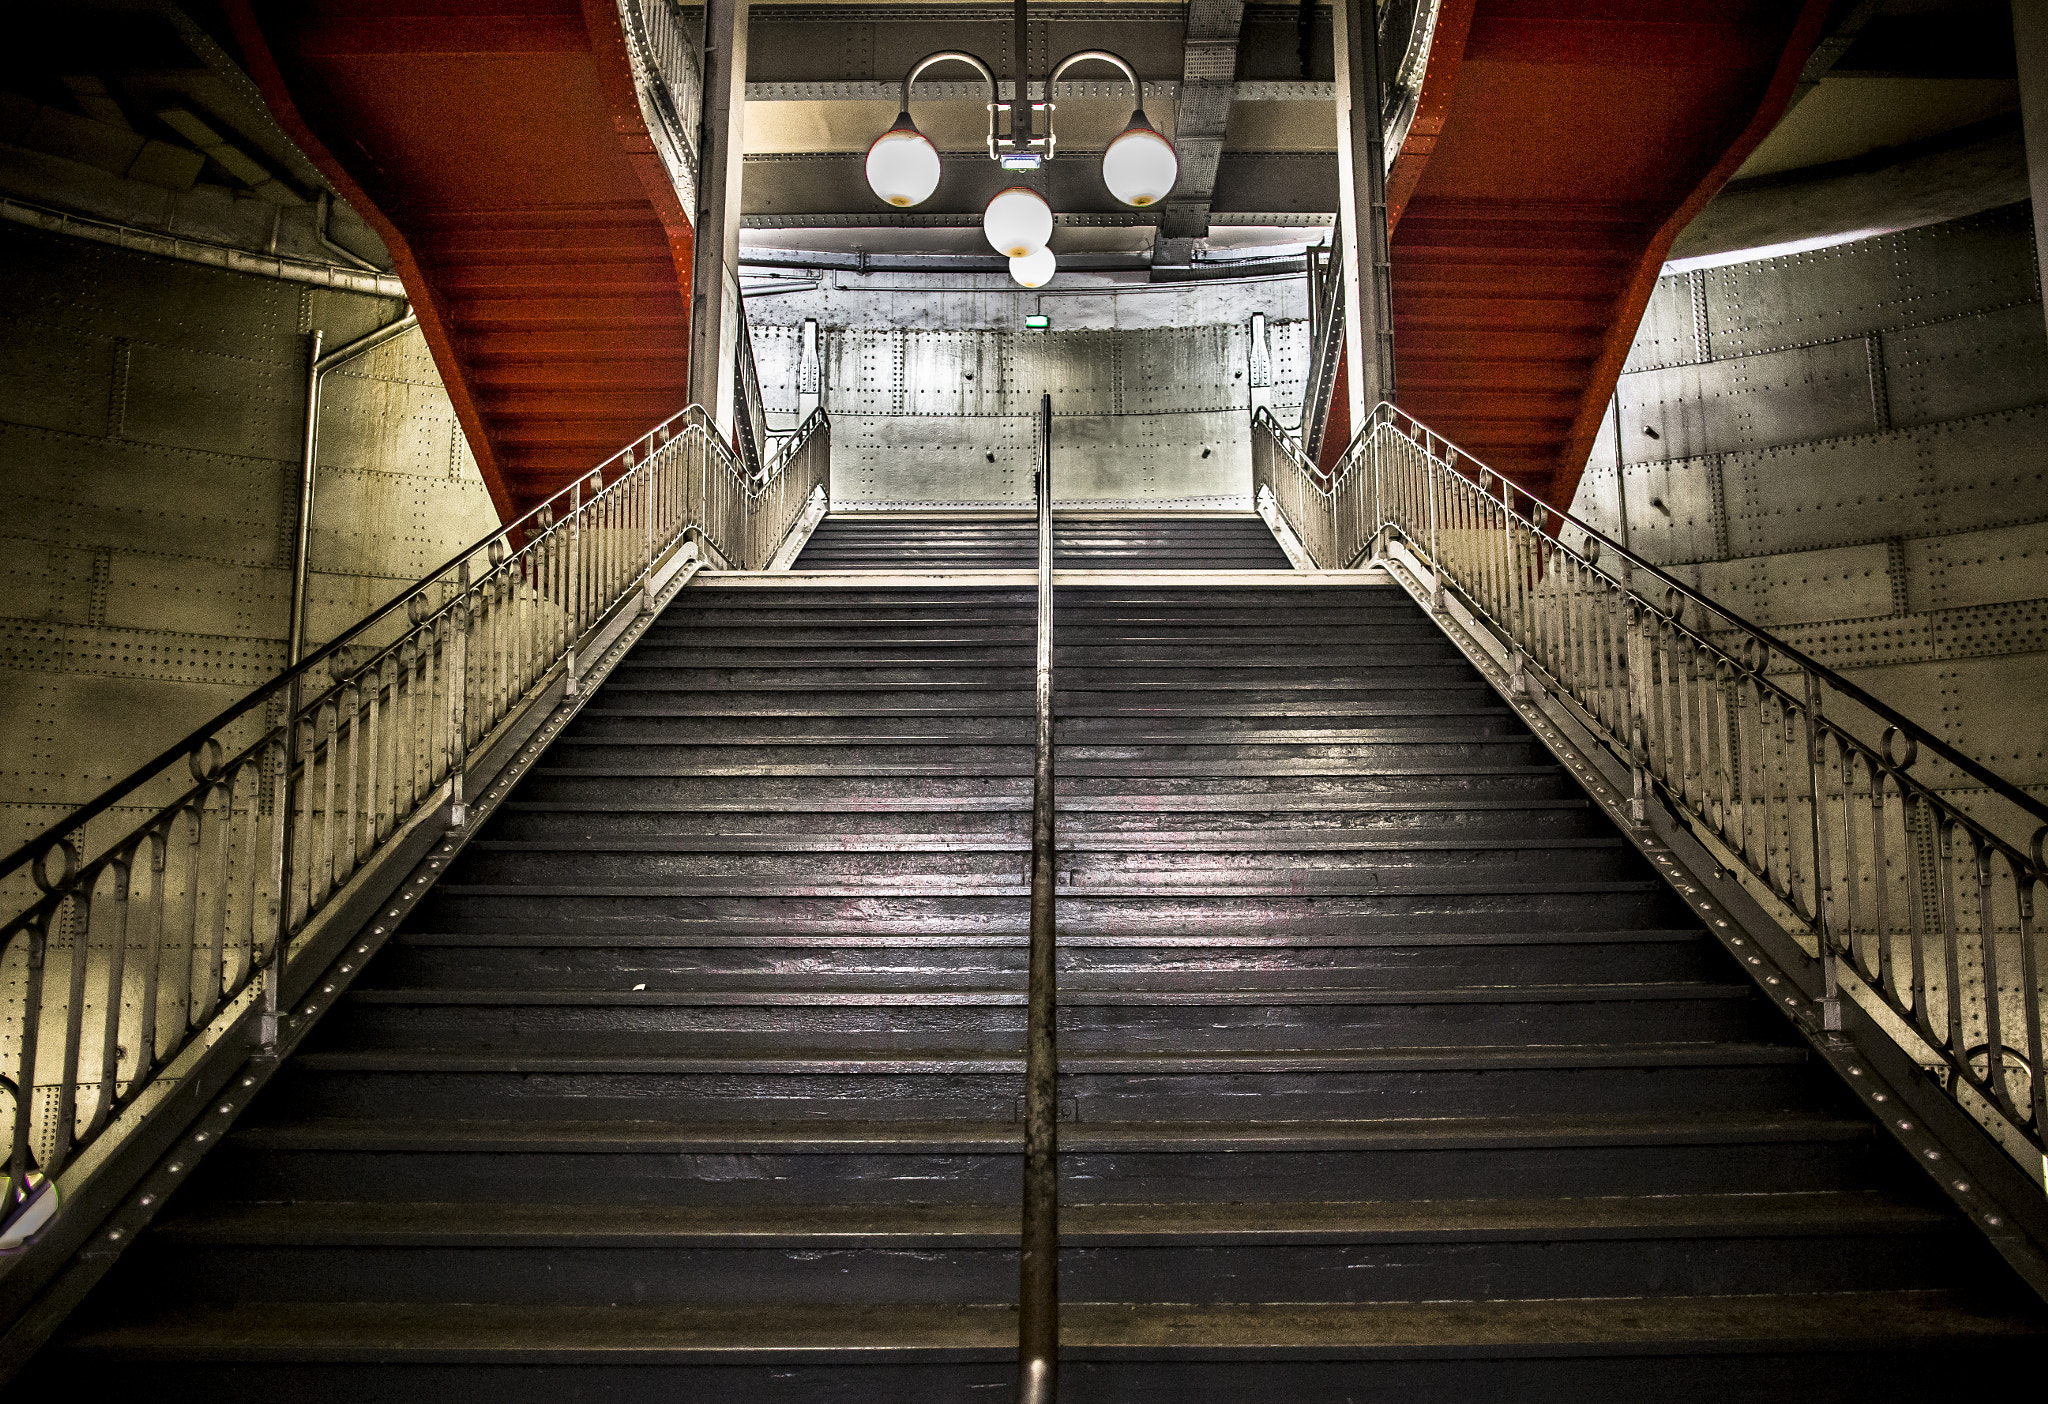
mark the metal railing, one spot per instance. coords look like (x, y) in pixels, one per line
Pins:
(749, 405)
(1908, 898)
(1038, 1286)
(669, 70)
(1326, 341)
(184, 889)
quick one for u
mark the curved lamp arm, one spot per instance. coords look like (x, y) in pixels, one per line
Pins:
(958, 56)
(1105, 56)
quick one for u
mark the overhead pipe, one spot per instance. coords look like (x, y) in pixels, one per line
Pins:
(150, 241)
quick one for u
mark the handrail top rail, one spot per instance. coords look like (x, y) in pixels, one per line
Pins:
(1388, 413)
(35, 848)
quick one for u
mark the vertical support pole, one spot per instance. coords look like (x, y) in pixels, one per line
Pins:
(2030, 40)
(1038, 1287)
(1362, 208)
(1823, 885)
(1436, 471)
(572, 592)
(281, 838)
(303, 541)
(714, 273)
(1635, 667)
(458, 700)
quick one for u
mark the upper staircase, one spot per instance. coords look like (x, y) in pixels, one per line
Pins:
(986, 541)
(1390, 1067)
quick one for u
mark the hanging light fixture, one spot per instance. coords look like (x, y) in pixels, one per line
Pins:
(1035, 270)
(1139, 167)
(903, 165)
(1018, 222)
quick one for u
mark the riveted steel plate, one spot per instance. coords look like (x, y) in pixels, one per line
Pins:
(1979, 567)
(1080, 370)
(165, 593)
(954, 373)
(1983, 471)
(1184, 369)
(183, 398)
(56, 379)
(384, 426)
(901, 459)
(1137, 458)
(88, 491)
(1813, 392)
(1921, 275)
(1669, 334)
(1992, 360)
(1845, 582)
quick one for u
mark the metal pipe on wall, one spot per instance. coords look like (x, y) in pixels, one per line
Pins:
(150, 241)
(317, 367)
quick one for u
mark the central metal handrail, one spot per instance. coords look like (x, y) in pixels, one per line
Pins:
(1914, 892)
(1038, 1292)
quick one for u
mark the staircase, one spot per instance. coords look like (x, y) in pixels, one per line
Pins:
(1389, 1069)
(988, 541)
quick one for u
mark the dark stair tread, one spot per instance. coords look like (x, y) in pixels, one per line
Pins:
(879, 936)
(458, 1224)
(409, 1332)
(1265, 840)
(621, 1137)
(639, 1053)
(1072, 993)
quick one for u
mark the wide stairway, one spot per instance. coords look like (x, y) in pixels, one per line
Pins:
(1389, 1069)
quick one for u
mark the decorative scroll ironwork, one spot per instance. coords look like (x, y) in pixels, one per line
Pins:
(1912, 902)
(176, 897)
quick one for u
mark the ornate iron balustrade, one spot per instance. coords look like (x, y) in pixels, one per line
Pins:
(169, 907)
(1911, 902)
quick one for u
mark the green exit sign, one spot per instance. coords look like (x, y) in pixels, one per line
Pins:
(1037, 321)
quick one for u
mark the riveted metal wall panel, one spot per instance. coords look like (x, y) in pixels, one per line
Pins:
(1978, 567)
(216, 403)
(1846, 582)
(1993, 360)
(373, 425)
(1911, 549)
(862, 370)
(1669, 335)
(776, 349)
(1080, 370)
(164, 593)
(953, 373)
(55, 379)
(81, 491)
(896, 460)
(1191, 460)
(1291, 353)
(1185, 369)
(1812, 392)
(1921, 275)
(1987, 470)
(1674, 510)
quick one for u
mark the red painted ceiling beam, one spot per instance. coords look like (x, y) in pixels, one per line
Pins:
(497, 148)
(1559, 146)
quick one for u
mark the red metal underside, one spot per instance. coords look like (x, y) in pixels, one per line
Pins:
(1559, 147)
(497, 147)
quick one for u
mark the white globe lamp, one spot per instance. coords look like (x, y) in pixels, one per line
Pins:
(1018, 222)
(903, 165)
(1035, 270)
(1140, 166)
